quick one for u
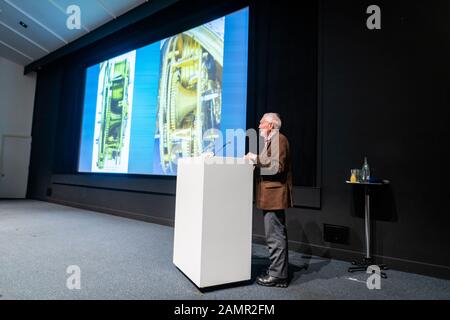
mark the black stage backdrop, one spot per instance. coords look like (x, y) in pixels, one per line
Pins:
(343, 91)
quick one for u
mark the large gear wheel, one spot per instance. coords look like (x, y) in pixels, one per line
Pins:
(190, 94)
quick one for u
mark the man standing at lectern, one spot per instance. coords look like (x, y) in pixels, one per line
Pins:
(273, 195)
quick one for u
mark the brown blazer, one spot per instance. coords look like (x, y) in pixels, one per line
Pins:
(274, 175)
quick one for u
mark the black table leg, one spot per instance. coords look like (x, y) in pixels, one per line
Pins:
(367, 260)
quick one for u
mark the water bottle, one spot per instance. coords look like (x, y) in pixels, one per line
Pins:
(365, 172)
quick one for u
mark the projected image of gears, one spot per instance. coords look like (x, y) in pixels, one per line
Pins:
(190, 93)
(113, 114)
(172, 98)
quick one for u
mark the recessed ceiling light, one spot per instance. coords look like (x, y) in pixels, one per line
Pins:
(23, 24)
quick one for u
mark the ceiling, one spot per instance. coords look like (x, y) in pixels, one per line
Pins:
(45, 22)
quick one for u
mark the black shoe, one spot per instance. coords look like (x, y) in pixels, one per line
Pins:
(270, 281)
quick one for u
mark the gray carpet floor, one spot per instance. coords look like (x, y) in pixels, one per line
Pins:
(122, 258)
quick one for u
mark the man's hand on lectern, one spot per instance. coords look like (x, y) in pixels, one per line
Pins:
(251, 157)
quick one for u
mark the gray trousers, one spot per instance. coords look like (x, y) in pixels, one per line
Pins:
(276, 238)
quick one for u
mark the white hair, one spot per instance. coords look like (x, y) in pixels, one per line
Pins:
(273, 118)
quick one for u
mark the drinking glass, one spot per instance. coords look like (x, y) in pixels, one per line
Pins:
(355, 176)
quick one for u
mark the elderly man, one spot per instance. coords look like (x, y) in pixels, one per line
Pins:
(273, 195)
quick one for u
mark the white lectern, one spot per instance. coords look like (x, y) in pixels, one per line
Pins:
(213, 220)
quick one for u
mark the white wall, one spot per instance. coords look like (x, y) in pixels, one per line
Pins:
(16, 115)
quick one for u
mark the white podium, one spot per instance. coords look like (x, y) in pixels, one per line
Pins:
(213, 220)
